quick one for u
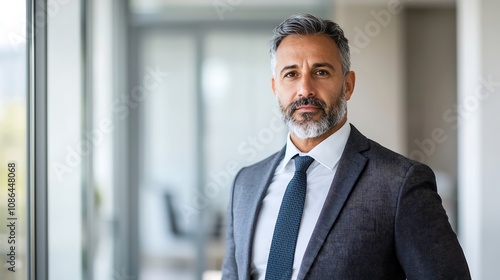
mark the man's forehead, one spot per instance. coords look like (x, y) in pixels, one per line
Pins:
(318, 47)
(296, 39)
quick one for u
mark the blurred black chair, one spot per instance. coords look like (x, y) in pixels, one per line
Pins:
(214, 226)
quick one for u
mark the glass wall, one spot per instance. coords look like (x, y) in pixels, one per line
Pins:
(208, 112)
(103, 123)
(169, 156)
(232, 112)
(13, 145)
(68, 144)
(147, 123)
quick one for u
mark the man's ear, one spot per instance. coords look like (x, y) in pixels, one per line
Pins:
(273, 85)
(350, 81)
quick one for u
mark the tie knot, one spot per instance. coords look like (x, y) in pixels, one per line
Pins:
(302, 163)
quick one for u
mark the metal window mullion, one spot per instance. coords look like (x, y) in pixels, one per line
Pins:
(36, 31)
(200, 154)
(88, 191)
(125, 174)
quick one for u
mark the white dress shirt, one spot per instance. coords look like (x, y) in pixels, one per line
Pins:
(319, 178)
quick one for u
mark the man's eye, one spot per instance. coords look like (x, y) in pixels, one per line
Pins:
(322, 72)
(290, 75)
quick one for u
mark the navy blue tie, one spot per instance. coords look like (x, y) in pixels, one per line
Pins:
(282, 252)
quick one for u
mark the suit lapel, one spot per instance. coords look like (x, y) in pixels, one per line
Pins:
(351, 165)
(261, 183)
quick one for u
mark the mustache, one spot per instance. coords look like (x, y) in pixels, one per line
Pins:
(304, 102)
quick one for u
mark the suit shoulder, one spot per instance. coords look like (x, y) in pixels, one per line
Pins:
(388, 159)
(378, 156)
(260, 165)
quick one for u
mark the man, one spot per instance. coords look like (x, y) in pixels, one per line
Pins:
(333, 204)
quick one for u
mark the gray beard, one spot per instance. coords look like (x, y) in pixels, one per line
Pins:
(307, 128)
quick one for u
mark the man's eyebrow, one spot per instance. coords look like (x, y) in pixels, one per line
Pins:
(323, 64)
(294, 66)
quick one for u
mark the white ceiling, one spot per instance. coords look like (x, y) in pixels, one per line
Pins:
(161, 6)
(405, 2)
(234, 3)
(264, 3)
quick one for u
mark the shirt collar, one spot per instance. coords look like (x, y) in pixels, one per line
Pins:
(327, 153)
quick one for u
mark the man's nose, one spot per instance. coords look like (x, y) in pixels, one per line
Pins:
(306, 87)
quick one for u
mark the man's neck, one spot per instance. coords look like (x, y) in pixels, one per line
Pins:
(306, 145)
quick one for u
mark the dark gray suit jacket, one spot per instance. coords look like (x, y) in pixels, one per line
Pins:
(382, 219)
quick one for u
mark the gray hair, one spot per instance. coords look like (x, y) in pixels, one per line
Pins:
(307, 24)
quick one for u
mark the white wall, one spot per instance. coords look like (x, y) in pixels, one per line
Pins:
(479, 134)
(430, 36)
(377, 105)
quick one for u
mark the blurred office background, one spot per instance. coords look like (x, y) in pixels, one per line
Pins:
(153, 106)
